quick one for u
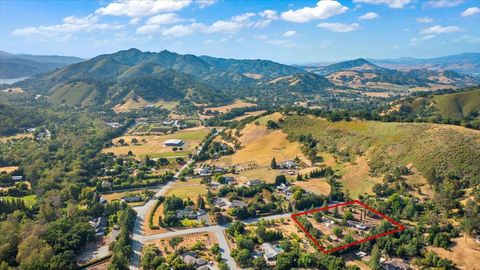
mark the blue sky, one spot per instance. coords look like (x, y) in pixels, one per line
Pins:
(284, 31)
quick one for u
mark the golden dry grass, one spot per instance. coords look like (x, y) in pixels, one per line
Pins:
(118, 195)
(152, 145)
(356, 178)
(261, 145)
(315, 185)
(8, 169)
(131, 104)
(226, 108)
(465, 253)
(208, 239)
(248, 114)
(17, 137)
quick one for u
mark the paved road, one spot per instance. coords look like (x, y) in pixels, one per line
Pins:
(219, 230)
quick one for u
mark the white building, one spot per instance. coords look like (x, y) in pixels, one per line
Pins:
(174, 143)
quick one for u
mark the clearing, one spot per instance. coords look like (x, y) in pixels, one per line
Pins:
(152, 145)
(8, 169)
(29, 200)
(315, 185)
(465, 252)
(226, 108)
(191, 189)
(16, 137)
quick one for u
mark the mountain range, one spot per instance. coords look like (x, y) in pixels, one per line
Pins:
(134, 76)
(364, 75)
(25, 65)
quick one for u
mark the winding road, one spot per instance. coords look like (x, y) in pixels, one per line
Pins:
(138, 239)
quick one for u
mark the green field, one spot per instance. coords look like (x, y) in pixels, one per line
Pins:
(29, 200)
(447, 149)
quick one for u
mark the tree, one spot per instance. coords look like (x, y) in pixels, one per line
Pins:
(337, 231)
(200, 202)
(260, 263)
(175, 241)
(34, 254)
(273, 164)
(121, 141)
(375, 258)
(280, 179)
(134, 141)
(151, 257)
(242, 257)
(272, 124)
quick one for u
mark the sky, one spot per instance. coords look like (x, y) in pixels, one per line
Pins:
(287, 31)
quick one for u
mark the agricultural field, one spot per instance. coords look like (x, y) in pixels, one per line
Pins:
(152, 145)
(226, 108)
(190, 188)
(29, 200)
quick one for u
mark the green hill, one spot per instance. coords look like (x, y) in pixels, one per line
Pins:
(107, 79)
(457, 105)
(444, 149)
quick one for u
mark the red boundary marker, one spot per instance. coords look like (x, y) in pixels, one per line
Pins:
(399, 226)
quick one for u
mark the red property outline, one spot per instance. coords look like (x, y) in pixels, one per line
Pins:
(399, 228)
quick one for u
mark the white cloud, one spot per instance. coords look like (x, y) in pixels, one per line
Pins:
(339, 27)
(286, 43)
(424, 20)
(182, 30)
(431, 32)
(389, 3)
(148, 29)
(443, 3)
(209, 41)
(368, 16)
(167, 18)
(232, 26)
(134, 21)
(205, 3)
(290, 33)
(323, 10)
(470, 11)
(269, 14)
(142, 8)
(69, 26)
(437, 29)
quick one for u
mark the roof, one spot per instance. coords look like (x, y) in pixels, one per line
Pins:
(270, 251)
(189, 259)
(173, 141)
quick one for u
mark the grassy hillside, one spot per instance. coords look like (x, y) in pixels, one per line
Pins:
(445, 149)
(457, 105)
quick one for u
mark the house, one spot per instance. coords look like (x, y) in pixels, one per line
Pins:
(99, 225)
(256, 182)
(102, 200)
(361, 254)
(205, 171)
(130, 199)
(395, 264)
(17, 178)
(106, 184)
(204, 267)
(189, 259)
(114, 124)
(358, 225)
(270, 253)
(237, 204)
(288, 164)
(174, 143)
(229, 180)
(201, 262)
(333, 237)
(220, 202)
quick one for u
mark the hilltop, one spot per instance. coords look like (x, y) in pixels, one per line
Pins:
(24, 65)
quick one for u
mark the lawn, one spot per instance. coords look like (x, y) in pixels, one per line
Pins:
(29, 200)
(315, 185)
(191, 188)
(118, 195)
(152, 145)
